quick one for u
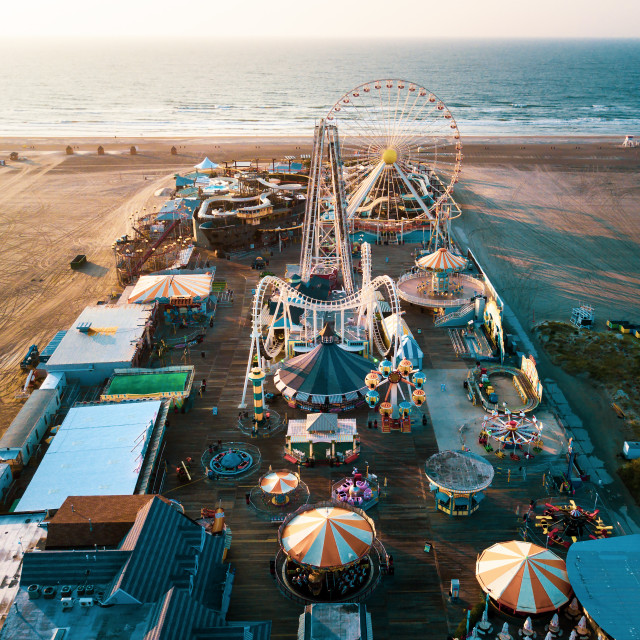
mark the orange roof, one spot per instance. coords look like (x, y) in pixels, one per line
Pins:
(111, 518)
(327, 537)
(523, 576)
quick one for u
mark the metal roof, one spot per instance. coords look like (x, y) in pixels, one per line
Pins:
(605, 576)
(98, 450)
(460, 471)
(24, 423)
(113, 332)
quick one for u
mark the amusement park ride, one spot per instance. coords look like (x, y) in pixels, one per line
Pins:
(402, 155)
(395, 413)
(386, 158)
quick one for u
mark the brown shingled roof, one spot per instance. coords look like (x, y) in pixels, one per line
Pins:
(111, 518)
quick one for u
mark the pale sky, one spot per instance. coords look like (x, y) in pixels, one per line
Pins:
(322, 19)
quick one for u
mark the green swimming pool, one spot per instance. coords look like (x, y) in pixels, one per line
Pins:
(148, 383)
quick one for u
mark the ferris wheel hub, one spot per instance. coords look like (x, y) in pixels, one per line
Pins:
(389, 156)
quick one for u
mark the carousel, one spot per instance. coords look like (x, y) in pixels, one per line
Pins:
(328, 553)
(523, 578)
(436, 279)
(278, 494)
(458, 480)
(230, 460)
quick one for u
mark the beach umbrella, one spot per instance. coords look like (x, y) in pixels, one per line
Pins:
(327, 537)
(442, 260)
(504, 634)
(581, 627)
(572, 636)
(279, 482)
(523, 577)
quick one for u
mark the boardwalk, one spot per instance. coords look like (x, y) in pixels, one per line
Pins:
(411, 603)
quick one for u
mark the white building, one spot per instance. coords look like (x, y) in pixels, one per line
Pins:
(103, 338)
(25, 433)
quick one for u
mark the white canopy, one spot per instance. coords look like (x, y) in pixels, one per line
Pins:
(206, 165)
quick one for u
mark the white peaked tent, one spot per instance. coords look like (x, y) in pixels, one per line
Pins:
(206, 165)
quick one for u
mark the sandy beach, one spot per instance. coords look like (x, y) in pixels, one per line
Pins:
(554, 220)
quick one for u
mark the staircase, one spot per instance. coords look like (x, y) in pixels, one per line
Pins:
(138, 267)
(459, 316)
(459, 344)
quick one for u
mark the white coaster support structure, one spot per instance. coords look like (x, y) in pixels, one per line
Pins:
(325, 238)
(364, 303)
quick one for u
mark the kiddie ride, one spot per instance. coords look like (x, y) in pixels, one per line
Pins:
(395, 413)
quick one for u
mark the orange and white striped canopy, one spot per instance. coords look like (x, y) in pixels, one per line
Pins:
(163, 288)
(279, 482)
(523, 576)
(327, 537)
(442, 260)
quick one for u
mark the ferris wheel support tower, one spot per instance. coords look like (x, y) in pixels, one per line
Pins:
(325, 238)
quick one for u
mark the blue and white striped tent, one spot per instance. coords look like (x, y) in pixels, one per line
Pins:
(411, 350)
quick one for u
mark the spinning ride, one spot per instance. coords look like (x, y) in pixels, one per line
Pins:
(230, 460)
(358, 490)
(395, 413)
(328, 553)
(279, 484)
(402, 155)
(512, 431)
(567, 523)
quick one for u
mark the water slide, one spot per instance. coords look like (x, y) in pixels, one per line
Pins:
(282, 187)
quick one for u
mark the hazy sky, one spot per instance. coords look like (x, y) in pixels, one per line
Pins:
(325, 18)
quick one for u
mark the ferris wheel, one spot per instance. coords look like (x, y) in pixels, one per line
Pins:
(401, 151)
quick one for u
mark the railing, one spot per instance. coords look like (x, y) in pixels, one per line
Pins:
(422, 300)
(454, 314)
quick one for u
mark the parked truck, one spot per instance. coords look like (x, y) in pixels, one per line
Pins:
(631, 449)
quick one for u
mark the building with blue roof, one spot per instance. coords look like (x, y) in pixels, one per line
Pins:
(605, 577)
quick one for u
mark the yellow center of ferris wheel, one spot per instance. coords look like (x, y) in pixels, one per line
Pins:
(389, 156)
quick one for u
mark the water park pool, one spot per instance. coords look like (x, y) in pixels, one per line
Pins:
(148, 383)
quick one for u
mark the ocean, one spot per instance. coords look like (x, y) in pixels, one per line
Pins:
(169, 87)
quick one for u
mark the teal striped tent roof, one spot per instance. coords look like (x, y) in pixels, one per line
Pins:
(324, 371)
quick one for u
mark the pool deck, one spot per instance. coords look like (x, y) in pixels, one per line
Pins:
(414, 601)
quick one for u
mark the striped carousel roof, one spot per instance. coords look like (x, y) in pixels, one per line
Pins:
(279, 482)
(523, 576)
(164, 287)
(442, 260)
(327, 537)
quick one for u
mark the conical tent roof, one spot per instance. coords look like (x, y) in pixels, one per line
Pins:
(441, 260)
(326, 370)
(327, 537)
(523, 576)
(206, 165)
(164, 287)
(279, 482)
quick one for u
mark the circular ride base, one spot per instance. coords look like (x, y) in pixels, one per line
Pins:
(417, 289)
(218, 461)
(266, 507)
(352, 584)
(269, 427)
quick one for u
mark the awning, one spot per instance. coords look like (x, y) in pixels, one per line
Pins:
(318, 399)
(302, 397)
(335, 398)
(352, 395)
